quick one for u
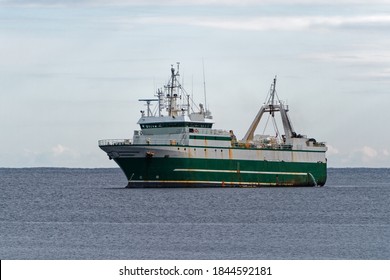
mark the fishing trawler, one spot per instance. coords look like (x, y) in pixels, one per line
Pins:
(176, 146)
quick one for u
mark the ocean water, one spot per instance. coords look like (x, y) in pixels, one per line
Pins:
(59, 213)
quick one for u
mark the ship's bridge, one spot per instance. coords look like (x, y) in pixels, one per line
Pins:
(172, 125)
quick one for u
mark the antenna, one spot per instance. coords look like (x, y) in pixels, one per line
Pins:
(160, 101)
(204, 87)
(192, 92)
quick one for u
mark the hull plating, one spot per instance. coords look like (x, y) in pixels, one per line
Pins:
(205, 172)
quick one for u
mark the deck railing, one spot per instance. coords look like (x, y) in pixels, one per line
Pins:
(147, 141)
(115, 142)
(124, 142)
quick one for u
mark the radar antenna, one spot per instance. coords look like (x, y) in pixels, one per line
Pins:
(148, 101)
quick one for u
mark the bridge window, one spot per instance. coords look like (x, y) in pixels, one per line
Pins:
(176, 124)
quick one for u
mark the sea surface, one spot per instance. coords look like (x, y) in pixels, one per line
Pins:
(60, 213)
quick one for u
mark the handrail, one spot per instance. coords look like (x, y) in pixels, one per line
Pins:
(146, 141)
(114, 142)
(121, 142)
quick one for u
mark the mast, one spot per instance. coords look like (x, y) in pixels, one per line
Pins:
(173, 99)
(173, 84)
(170, 90)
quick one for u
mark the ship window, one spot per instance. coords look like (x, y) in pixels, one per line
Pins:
(201, 125)
(177, 124)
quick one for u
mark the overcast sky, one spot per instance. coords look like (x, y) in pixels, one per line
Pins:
(71, 72)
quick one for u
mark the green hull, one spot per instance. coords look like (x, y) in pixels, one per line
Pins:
(193, 172)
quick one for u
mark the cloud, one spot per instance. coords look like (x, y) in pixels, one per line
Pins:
(332, 150)
(370, 155)
(267, 23)
(298, 23)
(56, 156)
(186, 2)
(369, 152)
(367, 65)
(366, 156)
(238, 22)
(352, 56)
(62, 151)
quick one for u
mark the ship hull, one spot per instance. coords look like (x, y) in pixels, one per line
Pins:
(171, 167)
